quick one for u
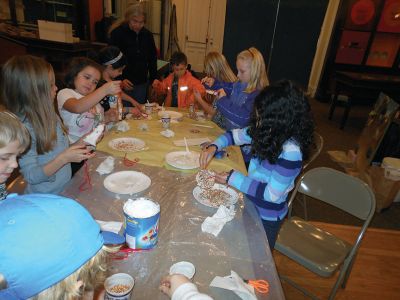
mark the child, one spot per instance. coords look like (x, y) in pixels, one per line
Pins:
(66, 256)
(78, 104)
(280, 133)
(218, 72)
(235, 108)
(14, 139)
(28, 90)
(114, 62)
(180, 84)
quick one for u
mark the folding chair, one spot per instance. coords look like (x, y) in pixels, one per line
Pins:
(316, 249)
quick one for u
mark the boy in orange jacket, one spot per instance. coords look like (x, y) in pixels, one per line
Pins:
(179, 85)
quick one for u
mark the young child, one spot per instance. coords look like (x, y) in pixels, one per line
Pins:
(67, 257)
(235, 108)
(14, 139)
(180, 84)
(78, 104)
(28, 90)
(114, 62)
(218, 72)
(280, 133)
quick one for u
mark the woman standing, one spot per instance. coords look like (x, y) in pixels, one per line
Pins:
(137, 44)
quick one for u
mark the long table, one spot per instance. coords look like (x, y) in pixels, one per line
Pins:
(241, 245)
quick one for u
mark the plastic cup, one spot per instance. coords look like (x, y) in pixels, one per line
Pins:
(119, 287)
(148, 108)
(184, 268)
(166, 121)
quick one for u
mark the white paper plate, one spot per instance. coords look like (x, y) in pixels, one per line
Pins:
(173, 114)
(232, 199)
(183, 160)
(127, 182)
(184, 268)
(127, 144)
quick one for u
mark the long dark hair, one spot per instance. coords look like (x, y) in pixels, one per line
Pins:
(76, 65)
(281, 112)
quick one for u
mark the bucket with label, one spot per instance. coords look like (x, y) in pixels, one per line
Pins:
(142, 216)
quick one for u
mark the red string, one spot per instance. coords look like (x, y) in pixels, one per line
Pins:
(87, 182)
(128, 162)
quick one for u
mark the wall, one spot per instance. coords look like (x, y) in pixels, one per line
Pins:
(251, 23)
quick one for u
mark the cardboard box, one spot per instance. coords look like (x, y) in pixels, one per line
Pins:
(53, 31)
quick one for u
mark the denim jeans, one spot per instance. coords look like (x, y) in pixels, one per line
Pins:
(271, 229)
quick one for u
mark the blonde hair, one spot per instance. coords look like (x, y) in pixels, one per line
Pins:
(92, 274)
(26, 91)
(216, 66)
(11, 129)
(258, 73)
(133, 10)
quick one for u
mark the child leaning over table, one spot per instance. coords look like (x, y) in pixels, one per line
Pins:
(280, 133)
(28, 90)
(180, 85)
(14, 139)
(67, 257)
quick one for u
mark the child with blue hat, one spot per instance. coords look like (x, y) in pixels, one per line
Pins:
(50, 247)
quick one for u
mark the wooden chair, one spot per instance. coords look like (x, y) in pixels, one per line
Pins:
(316, 249)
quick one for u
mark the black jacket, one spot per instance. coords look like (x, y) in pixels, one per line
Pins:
(140, 51)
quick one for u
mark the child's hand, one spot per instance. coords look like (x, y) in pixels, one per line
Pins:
(113, 87)
(76, 153)
(221, 93)
(136, 112)
(156, 84)
(197, 95)
(171, 282)
(206, 155)
(221, 177)
(208, 81)
(127, 85)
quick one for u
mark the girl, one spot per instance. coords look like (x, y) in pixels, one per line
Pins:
(280, 133)
(217, 71)
(14, 139)
(28, 90)
(114, 62)
(78, 104)
(235, 108)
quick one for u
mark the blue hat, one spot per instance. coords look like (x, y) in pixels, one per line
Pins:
(43, 239)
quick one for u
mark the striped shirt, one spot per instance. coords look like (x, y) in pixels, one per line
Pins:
(267, 185)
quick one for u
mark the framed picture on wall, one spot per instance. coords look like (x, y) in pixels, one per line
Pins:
(390, 17)
(352, 47)
(361, 14)
(383, 50)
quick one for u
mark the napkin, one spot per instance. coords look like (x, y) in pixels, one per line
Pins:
(236, 284)
(112, 226)
(167, 133)
(93, 137)
(122, 126)
(143, 127)
(215, 223)
(107, 166)
(192, 142)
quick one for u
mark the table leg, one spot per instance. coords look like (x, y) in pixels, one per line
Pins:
(345, 113)
(333, 105)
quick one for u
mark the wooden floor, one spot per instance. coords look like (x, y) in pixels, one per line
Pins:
(375, 275)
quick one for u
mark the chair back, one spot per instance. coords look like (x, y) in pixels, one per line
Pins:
(338, 189)
(319, 143)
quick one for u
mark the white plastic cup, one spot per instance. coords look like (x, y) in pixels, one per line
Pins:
(166, 121)
(148, 108)
(119, 280)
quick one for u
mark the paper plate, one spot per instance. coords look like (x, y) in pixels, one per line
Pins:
(127, 182)
(173, 114)
(184, 268)
(183, 160)
(126, 144)
(232, 197)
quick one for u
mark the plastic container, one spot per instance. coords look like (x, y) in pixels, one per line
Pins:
(392, 168)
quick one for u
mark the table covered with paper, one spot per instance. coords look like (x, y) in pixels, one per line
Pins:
(238, 245)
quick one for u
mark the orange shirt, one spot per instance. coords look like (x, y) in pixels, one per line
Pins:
(186, 85)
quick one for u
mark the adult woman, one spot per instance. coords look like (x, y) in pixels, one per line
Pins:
(137, 44)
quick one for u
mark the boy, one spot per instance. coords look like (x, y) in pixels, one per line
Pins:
(180, 84)
(14, 139)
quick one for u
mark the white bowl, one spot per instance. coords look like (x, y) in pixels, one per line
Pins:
(184, 268)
